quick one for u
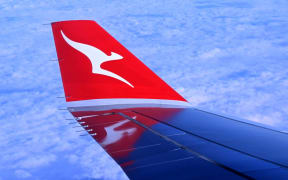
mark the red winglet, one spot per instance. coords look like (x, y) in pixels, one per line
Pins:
(94, 66)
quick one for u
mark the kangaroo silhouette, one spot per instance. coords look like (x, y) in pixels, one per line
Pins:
(96, 57)
(115, 133)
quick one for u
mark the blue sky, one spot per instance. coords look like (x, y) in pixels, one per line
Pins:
(226, 56)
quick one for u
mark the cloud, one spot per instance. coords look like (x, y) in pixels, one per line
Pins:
(22, 174)
(37, 161)
(211, 54)
(271, 119)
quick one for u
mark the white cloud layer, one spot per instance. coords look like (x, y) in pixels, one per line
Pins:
(230, 57)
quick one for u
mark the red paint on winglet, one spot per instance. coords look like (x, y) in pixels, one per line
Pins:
(120, 75)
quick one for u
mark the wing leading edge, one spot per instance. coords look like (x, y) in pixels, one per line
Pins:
(149, 129)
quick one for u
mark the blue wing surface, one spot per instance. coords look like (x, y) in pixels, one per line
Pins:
(187, 143)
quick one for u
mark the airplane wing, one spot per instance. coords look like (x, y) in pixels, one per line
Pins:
(150, 130)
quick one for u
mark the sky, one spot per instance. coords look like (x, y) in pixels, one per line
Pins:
(227, 56)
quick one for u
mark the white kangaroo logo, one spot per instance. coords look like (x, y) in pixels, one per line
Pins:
(114, 135)
(96, 57)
